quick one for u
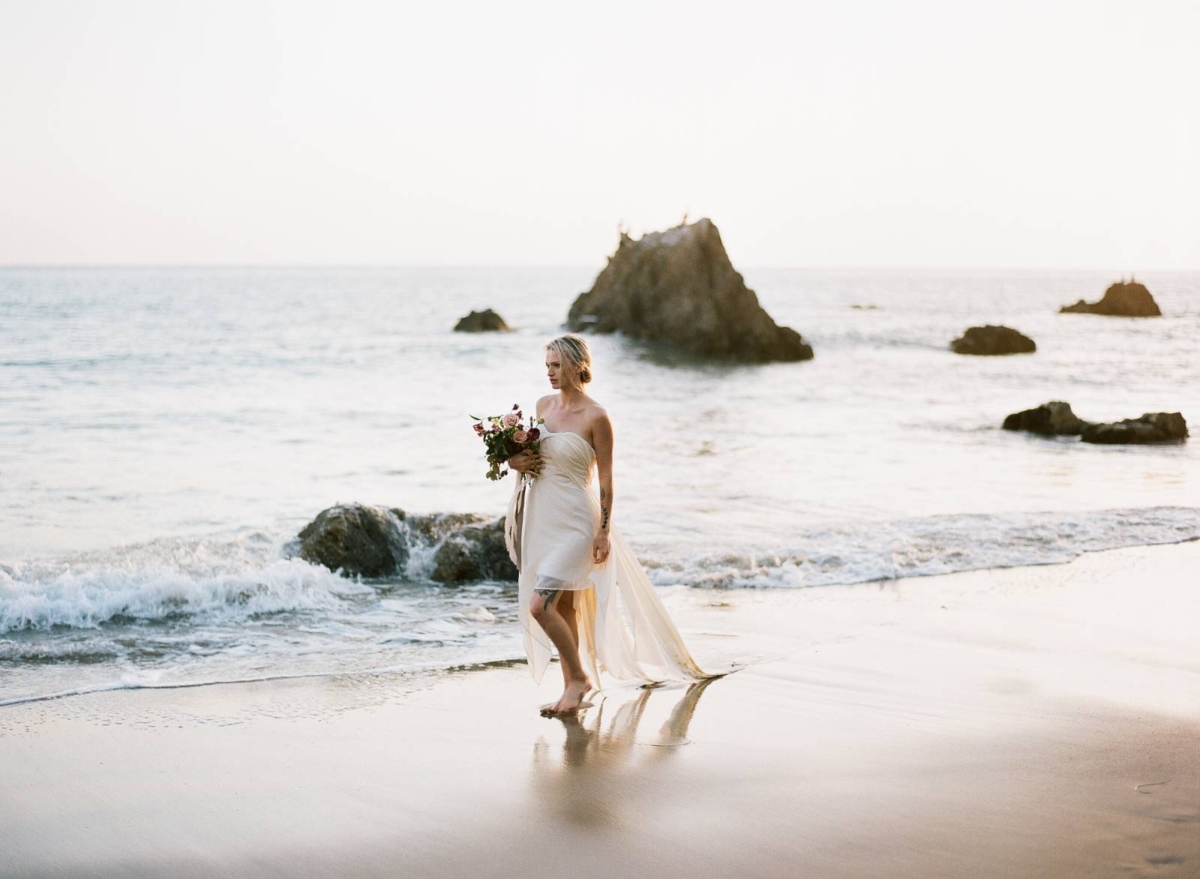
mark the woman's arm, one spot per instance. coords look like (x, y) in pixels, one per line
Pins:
(602, 441)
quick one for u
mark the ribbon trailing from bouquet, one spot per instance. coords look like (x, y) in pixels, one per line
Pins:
(514, 520)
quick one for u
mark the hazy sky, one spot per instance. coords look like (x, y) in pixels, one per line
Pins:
(853, 133)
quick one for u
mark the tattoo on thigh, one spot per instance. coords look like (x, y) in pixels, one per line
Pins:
(548, 595)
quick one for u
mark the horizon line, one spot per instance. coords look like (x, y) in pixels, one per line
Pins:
(442, 266)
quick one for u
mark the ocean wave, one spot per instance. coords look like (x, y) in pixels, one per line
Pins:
(82, 596)
(222, 582)
(865, 552)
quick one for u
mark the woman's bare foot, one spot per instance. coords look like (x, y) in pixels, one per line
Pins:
(572, 698)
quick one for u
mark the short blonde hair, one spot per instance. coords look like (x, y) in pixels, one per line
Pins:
(574, 350)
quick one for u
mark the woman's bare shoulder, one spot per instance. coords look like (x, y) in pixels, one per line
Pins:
(540, 406)
(597, 416)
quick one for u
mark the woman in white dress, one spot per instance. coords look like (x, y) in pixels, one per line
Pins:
(581, 588)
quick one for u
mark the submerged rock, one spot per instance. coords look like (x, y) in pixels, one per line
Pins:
(486, 321)
(679, 286)
(990, 340)
(359, 540)
(1152, 427)
(1057, 419)
(1050, 419)
(1122, 299)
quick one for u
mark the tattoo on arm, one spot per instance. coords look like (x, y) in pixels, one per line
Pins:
(603, 510)
(548, 595)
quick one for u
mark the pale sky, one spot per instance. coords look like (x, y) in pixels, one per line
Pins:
(921, 133)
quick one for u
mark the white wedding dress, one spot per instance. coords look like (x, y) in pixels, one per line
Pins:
(624, 629)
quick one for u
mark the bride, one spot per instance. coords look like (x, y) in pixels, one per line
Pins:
(579, 581)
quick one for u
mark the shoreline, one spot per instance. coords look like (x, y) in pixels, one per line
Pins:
(437, 668)
(1034, 721)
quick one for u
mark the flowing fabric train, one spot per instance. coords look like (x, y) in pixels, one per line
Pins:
(624, 629)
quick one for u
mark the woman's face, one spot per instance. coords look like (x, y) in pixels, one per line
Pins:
(557, 371)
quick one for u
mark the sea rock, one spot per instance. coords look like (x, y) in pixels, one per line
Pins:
(368, 541)
(679, 286)
(1056, 418)
(1123, 299)
(989, 340)
(432, 528)
(476, 552)
(486, 321)
(1152, 427)
(1049, 419)
(357, 539)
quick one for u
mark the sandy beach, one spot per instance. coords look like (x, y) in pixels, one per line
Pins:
(1039, 721)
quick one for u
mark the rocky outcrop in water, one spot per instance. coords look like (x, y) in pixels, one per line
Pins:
(1049, 419)
(1122, 299)
(1152, 427)
(357, 539)
(486, 321)
(679, 286)
(1057, 419)
(992, 340)
(476, 552)
(373, 542)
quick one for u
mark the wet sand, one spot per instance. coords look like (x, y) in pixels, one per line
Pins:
(1026, 722)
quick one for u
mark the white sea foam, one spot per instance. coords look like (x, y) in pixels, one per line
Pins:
(866, 552)
(88, 597)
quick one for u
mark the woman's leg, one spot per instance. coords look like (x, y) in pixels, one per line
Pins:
(544, 608)
(566, 609)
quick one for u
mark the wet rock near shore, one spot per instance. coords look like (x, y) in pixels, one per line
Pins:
(679, 287)
(486, 321)
(1057, 419)
(357, 539)
(476, 552)
(377, 542)
(992, 340)
(1122, 299)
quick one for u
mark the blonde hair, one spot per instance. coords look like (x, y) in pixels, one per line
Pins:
(574, 350)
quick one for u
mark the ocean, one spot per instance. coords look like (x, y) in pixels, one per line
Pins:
(166, 432)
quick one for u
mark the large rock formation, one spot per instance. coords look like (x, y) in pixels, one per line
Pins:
(1049, 419)
(989, 340)
(366, 541)
(1122, 299)
(1057, 419)
(679, 286)
(486, 321)
(1153, 427)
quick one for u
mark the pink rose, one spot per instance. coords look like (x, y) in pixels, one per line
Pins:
(521, 436)
(512, 419)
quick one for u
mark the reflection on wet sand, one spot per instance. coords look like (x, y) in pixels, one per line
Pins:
(598, 775)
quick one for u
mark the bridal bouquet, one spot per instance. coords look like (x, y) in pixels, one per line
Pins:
(504, 436)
